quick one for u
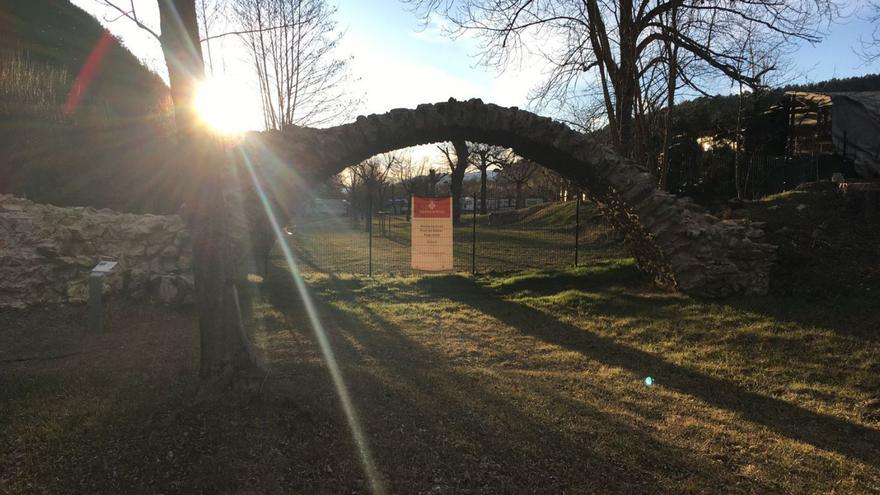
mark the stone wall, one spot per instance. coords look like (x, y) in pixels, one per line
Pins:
(47, 252)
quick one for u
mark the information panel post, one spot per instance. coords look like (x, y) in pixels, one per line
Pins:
(431, 234)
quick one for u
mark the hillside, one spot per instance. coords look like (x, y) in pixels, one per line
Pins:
(711, 114)
(557, 217)
(821, 242)
(561, 215)
(52, 151)
(59, 34)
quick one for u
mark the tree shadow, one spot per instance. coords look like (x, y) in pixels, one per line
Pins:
(440, 424)
(847, 313)
(820, 430)
(596, 275)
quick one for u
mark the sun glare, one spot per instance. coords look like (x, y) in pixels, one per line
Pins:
(220, 105)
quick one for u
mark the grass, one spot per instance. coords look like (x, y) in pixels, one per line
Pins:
(563, 215)
(823, 245)
(28, 87)
(338, 246)
(532, 382)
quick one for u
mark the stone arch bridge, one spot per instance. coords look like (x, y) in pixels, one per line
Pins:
(680, 244)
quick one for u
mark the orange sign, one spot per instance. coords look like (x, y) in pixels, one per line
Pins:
(431, 234)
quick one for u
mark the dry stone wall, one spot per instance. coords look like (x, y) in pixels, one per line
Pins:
(47, 252)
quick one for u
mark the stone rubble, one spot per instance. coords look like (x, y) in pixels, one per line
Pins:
(47, 252)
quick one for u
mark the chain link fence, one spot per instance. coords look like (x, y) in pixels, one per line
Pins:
(554, 235)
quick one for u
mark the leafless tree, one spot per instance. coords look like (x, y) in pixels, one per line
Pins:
(618, 43)
(458, 162)
(372, 175)
(670, 50)
(519, 173)
(434, 177)
(227, 356)
(869, 48)
(410, 177)
(483, 156)
(551, 185)
(293, 47)
(208, 12)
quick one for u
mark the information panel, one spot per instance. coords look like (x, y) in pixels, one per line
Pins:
(432, 234)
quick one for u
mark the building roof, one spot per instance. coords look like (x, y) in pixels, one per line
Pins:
(855, 124)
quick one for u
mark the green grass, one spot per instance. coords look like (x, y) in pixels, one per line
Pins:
(562, 215)
(529, 382)
(823, 246)
(543, 372)
(337, 246)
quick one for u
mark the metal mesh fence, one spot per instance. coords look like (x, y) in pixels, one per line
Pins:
(378, 243)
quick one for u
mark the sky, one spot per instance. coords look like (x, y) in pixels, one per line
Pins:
(399, 64)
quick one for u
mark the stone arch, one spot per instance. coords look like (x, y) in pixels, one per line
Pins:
(680, 244)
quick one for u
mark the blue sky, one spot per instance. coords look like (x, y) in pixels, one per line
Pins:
(401, 66)
(835, 56)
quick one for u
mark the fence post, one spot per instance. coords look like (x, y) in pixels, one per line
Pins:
(474, 239)
(370, 234)
(577, 227)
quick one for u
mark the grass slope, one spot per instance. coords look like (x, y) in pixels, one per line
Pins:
(824, 250)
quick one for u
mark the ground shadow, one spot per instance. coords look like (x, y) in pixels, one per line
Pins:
(435, 420)
(820, 430)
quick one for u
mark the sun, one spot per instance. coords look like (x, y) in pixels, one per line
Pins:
(221, 106)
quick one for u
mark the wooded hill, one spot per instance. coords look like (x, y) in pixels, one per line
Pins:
(107, 149)
(709, 114)
(61, 35)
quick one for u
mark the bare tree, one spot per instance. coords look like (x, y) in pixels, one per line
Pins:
(869, 49)
(518, 173)
(434, 178)
(208, 12)
(372, 174)
(483, 156)
(293, 47)
(410, 177)
(550, 185)
(619, 43)
(457, 159)
(226, 353)
(670, 50)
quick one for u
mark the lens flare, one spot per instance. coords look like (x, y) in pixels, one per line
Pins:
(220, 106)
(329, 356)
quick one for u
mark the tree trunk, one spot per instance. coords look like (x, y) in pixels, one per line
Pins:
(520, 201)
(737, 161)
(457, 179)
(483, 179)
(183, 57)
(672, 51)
(624, 81)
(225, 348)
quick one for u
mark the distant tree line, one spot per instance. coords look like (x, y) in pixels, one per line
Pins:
(381, 181)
